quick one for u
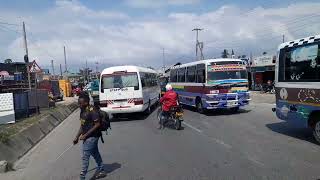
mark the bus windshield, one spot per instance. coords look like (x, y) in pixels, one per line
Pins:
(300, 64)
(120, 81)
(220, 75)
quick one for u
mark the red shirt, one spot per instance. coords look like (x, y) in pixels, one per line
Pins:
(168, 100)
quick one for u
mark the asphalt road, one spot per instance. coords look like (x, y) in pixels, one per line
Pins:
(252, 144)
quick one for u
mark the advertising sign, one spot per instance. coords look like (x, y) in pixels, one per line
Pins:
(267, 60)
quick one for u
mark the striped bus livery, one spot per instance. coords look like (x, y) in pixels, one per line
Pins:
(211, 84)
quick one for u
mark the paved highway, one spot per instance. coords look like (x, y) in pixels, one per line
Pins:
(252, 144)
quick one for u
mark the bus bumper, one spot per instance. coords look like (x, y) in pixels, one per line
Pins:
(124, 110)
(296, 115)
(226, 101)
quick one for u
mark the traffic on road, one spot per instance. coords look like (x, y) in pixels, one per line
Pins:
(142, 107)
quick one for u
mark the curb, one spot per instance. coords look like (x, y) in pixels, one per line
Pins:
(19, 144)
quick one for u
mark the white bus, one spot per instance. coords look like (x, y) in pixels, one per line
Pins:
(128, 89)
(298, 83)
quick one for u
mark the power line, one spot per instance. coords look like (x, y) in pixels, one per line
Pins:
(9, 24)
(265, 33)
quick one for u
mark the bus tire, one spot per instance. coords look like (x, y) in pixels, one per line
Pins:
(316, 129)
(234, 109)
(199, 106)
(148, 110)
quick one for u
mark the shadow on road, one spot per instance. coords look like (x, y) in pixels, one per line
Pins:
(133, 116)
(288, 129)
(217, 112)
(108, 169)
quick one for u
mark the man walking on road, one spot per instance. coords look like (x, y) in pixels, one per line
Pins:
(89, 133)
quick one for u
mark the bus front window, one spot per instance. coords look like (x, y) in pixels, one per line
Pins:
(220, 75)
(120, 81)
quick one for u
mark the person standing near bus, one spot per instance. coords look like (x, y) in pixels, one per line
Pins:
(89, 133)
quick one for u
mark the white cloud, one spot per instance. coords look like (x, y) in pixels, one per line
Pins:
(115, 38)
(158, 3)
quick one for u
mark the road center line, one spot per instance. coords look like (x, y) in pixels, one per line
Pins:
(192, 127)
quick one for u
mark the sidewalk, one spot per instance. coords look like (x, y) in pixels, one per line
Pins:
(258, 97)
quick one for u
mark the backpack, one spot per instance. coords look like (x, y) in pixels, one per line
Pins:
(104, 123)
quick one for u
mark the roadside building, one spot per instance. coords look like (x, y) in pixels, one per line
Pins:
(261, 69)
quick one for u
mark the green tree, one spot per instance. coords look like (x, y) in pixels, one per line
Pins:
(225, 54)
(8, 61)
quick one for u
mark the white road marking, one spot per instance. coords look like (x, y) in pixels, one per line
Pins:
(228, 146)
(67, 149)
(255, 161)
(218, 141)
(192, 127)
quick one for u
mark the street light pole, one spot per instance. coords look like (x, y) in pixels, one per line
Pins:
(197, 40)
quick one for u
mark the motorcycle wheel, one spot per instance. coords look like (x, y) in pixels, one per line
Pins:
(177, 124)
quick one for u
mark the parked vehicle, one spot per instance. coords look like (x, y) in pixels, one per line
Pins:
(128, 89)
(53, 89)
(211, 84)
(298, 83)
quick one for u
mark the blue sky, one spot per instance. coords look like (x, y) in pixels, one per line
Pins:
(135, 31)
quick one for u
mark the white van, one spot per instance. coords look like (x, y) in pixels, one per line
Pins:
(128, 89)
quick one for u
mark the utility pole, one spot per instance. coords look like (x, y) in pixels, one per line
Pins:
(252, 75)
(197, 40)
(52, 66)
(163, 60)
(65, 59)
(26, 57)
(97, 69)
(283, 38)
(86, 70)
(60, 70)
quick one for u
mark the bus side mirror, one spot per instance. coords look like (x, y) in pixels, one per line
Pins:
(203, 85)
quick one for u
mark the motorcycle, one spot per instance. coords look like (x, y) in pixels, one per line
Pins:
(174, 117)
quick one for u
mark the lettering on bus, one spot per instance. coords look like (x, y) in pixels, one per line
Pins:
(227, 67)
(118, 89)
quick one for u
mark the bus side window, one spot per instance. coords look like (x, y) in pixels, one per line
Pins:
(173, 75)
(201, 73)
(143, 79)
(191, 74)
(181, 75)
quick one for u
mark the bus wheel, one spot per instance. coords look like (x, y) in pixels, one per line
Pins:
(316, 130)
(148, 111)
(199, 107)
(234, 109)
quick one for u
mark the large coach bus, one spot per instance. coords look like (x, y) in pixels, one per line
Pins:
(128, 89)
(211, 84)
(298, 83)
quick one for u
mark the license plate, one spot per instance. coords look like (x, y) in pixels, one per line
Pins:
(232, 103)
(179, 114)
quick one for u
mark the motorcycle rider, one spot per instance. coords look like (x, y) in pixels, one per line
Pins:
(168, 100)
